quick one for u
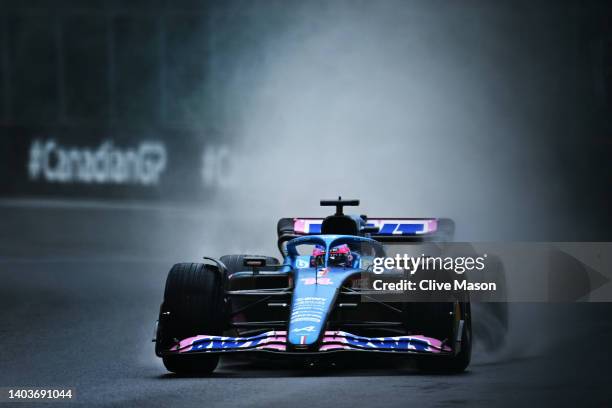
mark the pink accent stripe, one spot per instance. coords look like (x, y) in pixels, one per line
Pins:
(276, 347)
(333, 339)
(299, 226)
(431, 226)
(328, 347)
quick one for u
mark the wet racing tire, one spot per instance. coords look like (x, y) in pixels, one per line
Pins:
(441, 325)
(193, 305)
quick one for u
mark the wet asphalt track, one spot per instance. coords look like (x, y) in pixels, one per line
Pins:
(80, 289)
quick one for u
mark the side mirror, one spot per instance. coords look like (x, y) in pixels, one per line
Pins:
(254, 261)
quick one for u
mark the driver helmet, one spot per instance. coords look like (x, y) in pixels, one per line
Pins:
(338, 256)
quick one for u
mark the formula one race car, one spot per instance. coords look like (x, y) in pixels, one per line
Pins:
(313, 304)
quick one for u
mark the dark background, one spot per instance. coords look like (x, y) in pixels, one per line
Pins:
(491, 110)
(496, 114)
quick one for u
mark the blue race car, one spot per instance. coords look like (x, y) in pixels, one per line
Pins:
(313, 303)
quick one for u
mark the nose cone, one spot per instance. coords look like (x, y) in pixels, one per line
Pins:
(313, 297)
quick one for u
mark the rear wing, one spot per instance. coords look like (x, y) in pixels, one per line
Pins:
(397, 230)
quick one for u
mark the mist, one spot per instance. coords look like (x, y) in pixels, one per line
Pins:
(419, 110)
(415, 109)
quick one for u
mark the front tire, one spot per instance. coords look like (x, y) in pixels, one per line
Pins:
(441, 318)
(193, 304)
(191, 365)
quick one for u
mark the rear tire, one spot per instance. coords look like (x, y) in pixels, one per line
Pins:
(193, 304)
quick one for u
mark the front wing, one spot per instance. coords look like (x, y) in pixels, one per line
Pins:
(276, 341)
